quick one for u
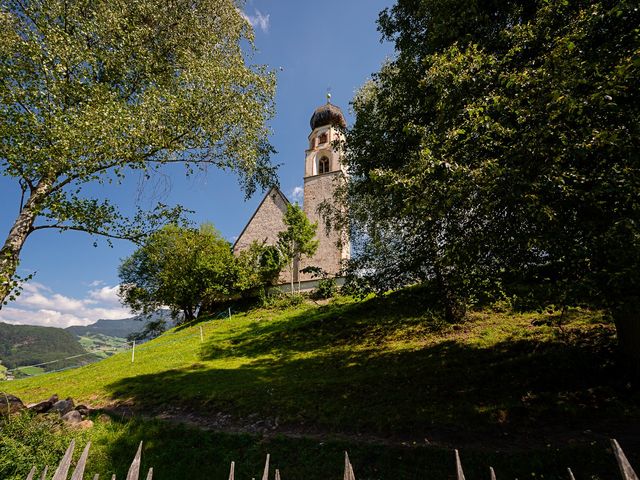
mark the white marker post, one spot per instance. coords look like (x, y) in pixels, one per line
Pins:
(229, 312)
(133, 352)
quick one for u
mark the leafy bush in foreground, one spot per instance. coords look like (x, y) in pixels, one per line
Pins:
(27, 440)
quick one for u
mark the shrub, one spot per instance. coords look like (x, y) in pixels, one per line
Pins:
(278, 299)
(27, 440)
(327, 288)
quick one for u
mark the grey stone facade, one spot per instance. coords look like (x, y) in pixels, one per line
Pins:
(329, 257)
(265, 224)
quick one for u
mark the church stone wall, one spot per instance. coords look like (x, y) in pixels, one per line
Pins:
(328, 257)
(264, 226)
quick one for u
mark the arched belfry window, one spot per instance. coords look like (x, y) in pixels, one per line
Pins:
(323, 165)
(323, 138)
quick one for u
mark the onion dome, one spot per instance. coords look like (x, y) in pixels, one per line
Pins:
(327, 114)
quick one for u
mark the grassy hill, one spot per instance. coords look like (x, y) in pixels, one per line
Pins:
(102, 345)
(531, 393)
(28, 345)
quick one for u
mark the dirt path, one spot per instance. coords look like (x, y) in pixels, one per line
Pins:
(627, 432)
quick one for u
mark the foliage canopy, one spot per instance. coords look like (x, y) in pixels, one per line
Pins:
(193, 270)
(501, 144)
(180, 268)
(92, 91)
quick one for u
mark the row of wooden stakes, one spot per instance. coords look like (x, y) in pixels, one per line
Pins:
(64, 467)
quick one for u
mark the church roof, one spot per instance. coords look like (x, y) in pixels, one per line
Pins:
(275, 190)
(327, 114)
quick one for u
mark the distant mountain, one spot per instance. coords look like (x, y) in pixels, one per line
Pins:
(117, 328)
(111, 328)
(29, 345)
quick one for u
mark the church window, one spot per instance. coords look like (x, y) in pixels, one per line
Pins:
(323, 137)
(312, 143)
(323, 165)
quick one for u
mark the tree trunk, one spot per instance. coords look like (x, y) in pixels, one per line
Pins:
(453, 305)
(291, 275)
(22, 227)
(627, 320)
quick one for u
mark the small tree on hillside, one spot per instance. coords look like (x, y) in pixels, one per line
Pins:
(257, 268)
(179, 268)
(298, 239)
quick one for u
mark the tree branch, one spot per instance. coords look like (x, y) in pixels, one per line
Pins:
(132, 238)
(115, 163)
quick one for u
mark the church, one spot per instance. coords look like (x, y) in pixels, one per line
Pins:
(323, 172)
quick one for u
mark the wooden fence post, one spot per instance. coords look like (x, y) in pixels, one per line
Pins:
(78, 473)
(63, 468)
(265, 474)
(459, 472)
(625, 467)
(348, 468)
(31, 473)
(134, 469)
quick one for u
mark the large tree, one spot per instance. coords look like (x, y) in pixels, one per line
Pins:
(503, 141)
(92, 90)
(180, 268)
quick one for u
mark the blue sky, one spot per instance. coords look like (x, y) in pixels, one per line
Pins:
(314, 46)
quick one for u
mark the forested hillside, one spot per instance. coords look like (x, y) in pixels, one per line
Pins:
(112, 328)
(118, 328)
(28, 345)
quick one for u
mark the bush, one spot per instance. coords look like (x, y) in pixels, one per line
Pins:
(278, 299)
(327, 288)
(27, 440)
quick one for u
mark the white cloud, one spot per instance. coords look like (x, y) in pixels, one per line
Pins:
(297, 194)
(40, 305)
(106, 294)
(96, 283)
(259, 20)
(35, 287)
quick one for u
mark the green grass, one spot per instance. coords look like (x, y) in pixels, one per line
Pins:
(384, 371)
(177, 452)
(102, 345)
(28, 371)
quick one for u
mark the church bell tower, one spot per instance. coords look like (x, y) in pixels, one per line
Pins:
(323, 172)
